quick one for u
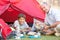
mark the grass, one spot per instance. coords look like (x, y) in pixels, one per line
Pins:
(52, 37)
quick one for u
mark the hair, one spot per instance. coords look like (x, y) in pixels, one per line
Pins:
(45, 3)
(21, 15)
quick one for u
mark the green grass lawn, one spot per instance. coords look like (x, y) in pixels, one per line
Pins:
(42, 38)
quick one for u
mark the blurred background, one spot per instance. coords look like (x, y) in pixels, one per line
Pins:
(55, 3)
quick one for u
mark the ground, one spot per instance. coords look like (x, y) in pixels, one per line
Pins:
(52, 37)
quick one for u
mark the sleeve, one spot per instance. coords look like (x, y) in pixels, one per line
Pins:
(16, 24)
(45, 21)
(33, 27)
(57, 15)
(26, 25)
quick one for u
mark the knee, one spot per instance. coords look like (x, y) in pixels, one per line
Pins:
(58, 27)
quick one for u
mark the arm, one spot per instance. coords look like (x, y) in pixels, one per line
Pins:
(55, 24)
(57, 18)
(16, 25)
(27, 28)
(51, 26)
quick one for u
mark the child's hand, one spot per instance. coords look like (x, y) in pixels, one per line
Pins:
(29, 28)
(46, 27)
(26, 29)
(44, 30)
(23, 30)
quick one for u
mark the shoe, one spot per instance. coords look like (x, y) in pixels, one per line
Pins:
(57, 34)
(17, 37)
(38, 33)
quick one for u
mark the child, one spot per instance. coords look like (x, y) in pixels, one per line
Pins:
(37, 26)
(20, 25)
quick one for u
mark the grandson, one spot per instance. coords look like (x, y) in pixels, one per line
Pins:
(37, 26)
(20, 25)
